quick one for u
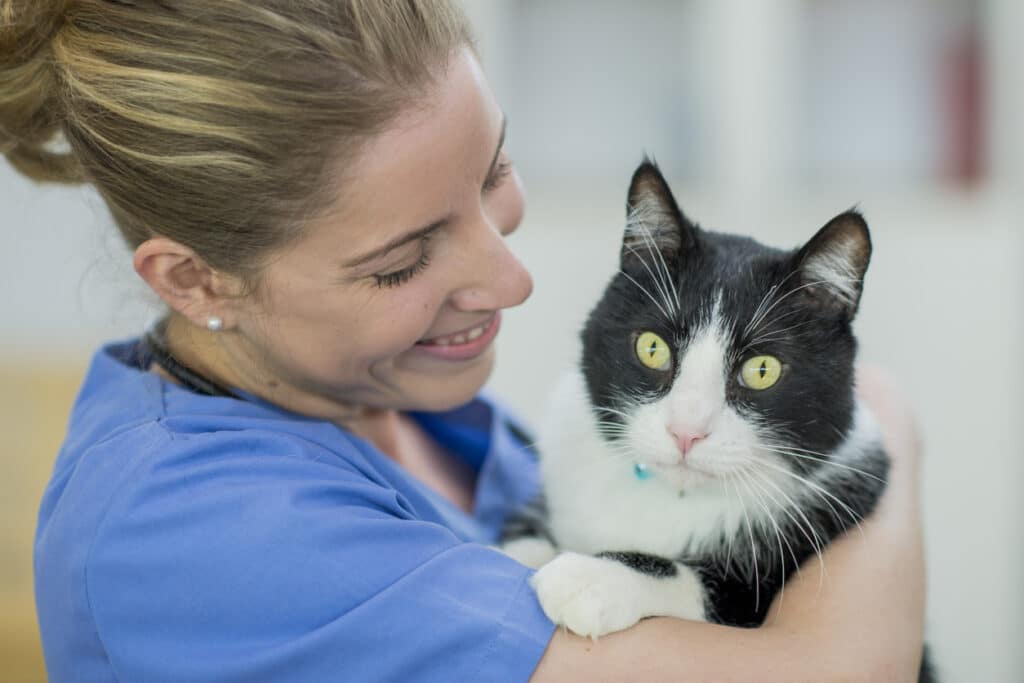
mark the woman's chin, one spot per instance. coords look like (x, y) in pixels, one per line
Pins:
(437, 392)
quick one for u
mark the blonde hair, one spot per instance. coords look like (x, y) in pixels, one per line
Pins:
(216, 123)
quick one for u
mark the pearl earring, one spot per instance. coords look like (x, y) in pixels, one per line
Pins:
(214, 324)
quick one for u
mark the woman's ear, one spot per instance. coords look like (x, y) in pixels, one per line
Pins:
(185, 282)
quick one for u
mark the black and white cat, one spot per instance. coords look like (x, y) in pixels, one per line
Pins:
(710, 441)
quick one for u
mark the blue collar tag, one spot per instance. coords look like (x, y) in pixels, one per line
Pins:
(642, 472)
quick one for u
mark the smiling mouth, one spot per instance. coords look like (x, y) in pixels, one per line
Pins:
(459, 337)
(464, 345)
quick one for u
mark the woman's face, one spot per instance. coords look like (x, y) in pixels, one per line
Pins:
(392, 300)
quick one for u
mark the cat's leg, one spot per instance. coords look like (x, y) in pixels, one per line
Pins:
(525, 536)
(595, 595)
(533, 551)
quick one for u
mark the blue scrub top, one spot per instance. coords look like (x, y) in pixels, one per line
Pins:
(194, 538)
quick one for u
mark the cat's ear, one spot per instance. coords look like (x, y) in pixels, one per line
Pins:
(653, 220)
(832, 264)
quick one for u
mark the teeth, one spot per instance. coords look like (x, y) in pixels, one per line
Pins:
(459, 338)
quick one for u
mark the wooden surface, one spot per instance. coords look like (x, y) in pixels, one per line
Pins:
(35, 401)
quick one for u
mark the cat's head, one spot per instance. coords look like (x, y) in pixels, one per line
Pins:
(709, 353)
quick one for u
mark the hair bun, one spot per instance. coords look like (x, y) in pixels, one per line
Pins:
(31, 106)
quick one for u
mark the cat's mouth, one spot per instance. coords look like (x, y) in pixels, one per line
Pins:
(684, 472)
(705, 467)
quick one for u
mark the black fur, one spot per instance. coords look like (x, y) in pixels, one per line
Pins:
(651, 565)
(528, 522)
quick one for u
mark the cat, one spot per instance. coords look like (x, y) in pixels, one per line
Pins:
(710, 441)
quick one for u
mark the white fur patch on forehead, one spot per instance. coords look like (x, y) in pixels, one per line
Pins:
(702, 366)
(704, 357)
(697, 397)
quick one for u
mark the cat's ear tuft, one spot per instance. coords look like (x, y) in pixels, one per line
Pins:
(653, 219)
(833, 262)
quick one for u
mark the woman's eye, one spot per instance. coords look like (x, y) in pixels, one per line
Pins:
(399, 277)
(498, 174)
(760, 372)
(653, 352)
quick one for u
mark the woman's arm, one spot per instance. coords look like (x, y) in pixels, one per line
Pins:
(863, 623)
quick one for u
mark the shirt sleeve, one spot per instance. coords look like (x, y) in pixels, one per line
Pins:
(292, 567)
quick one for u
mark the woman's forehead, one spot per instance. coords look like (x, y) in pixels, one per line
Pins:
(426, 165)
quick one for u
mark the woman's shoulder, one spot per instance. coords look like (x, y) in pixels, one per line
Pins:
(123, 409)
(138, 446)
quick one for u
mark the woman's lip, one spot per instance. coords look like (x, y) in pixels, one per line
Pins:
(468, 350)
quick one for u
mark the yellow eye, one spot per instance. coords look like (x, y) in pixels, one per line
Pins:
(760, 372)
(653, 351)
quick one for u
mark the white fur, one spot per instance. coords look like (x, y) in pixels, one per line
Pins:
(532, 551)
(593, 596)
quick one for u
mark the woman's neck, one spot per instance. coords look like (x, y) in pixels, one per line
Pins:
(221, 358)
(214, 356)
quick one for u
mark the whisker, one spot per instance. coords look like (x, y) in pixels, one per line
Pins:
(649, 295)
(816, 542)
(821, 492)
(760, 311)
(778, 534)
(792, 292)
(810, 455)
(612, 411)
(753, 555)
(728, 550)
(754, 482)
(649, 240)
(767, 324)
(657, 279)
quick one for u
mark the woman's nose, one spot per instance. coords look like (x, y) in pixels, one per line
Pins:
(494, 279)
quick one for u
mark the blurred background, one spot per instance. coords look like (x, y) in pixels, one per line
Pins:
(768, 118)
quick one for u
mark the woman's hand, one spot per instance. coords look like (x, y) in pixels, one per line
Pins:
(871, 602)
(899, 429)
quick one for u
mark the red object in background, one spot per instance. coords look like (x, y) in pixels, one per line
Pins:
(965, 101)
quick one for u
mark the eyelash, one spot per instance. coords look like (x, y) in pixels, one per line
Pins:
(400, 277)
(500, 172)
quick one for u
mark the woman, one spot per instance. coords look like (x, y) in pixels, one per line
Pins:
(290, 478)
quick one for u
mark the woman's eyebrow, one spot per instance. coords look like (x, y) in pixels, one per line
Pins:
(395, 243)
(422, 232)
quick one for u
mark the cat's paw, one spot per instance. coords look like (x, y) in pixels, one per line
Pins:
(532, 551)
(593, 596)
(590, 596)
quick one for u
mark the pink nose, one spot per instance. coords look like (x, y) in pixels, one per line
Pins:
(686, 440)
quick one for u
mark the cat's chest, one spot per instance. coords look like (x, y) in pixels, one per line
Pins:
(621, 513)
(596, 503)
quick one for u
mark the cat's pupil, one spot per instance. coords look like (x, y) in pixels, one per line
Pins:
(652, 348)
(764, 369)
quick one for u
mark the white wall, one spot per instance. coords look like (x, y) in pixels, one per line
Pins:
(66, 279)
